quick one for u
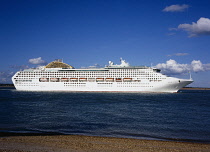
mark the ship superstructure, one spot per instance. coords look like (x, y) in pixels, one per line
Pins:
(59, 76)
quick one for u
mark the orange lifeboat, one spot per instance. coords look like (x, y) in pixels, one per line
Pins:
(54, 79)
(91, 79)
(44, 79)
(118, 79)
(100, 79)
(109, 79)
(82, 79)
(64, 79)
(127, 79)
(74, 79)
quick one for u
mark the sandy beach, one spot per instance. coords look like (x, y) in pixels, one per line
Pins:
(77, 143)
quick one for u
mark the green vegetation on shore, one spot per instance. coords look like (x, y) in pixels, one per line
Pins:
(194, 88)
(6, 85)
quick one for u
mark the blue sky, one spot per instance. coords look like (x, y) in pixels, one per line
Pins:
(173, 35)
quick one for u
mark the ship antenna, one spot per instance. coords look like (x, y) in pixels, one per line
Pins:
(190, 75)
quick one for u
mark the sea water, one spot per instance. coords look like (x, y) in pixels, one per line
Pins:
(183, 116)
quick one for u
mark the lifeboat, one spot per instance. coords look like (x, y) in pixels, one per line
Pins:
(109, 79)
(64, 79)
(83, 79)
(127, 79)
(118, 79)
(74, 79)
(44, 79)
(91, 79)
(54, 79)
(100, 79)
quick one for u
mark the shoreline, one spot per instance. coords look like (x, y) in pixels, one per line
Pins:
(94, 143)
(195, 88)
(150, 138)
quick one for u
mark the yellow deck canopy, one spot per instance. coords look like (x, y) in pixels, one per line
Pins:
(58, 64)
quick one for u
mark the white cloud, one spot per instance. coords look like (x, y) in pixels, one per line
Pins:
(176, 8)
(171, 67)
(171, 34)
(202, 27)
(37, 61)
(5, 77)
(197, 66)
(207, 67)
(179, 54)
(19, 66)
(93, 66)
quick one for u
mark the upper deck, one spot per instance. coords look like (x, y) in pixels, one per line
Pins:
(59, 66)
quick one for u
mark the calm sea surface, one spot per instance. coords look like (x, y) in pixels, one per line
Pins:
(183, 116)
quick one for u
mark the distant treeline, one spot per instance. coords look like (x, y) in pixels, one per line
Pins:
(194, 88)
(6, 85)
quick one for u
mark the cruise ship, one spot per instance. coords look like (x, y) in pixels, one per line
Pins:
(59, 76)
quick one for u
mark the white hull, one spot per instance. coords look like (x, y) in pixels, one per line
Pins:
(169, 86)
(58, 76)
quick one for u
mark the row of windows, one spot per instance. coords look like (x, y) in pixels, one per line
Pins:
(26, 84)
(105, 83)
(23, 80)
(84, 72)
(88, 74)
(132, 86)
(108, 75)
(34, 73)
(71, 85)
(29, 85)
(74, 83)
(77, 85)
(91, 71)
(95, 72)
